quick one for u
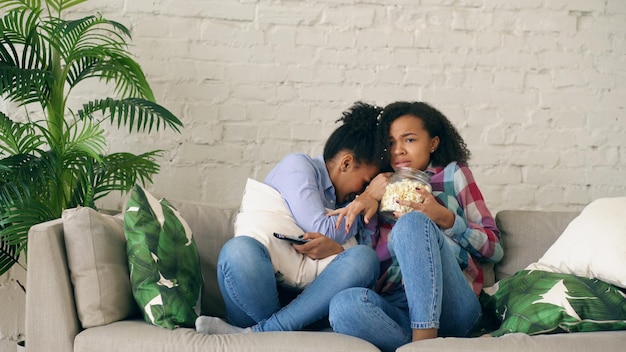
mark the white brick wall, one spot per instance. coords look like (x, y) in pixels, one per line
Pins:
(536, 87)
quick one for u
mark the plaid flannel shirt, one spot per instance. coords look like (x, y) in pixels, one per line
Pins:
(473, 238)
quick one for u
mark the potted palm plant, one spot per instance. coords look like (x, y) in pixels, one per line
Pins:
(52, 156)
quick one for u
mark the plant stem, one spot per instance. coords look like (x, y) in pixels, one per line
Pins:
(56, 105)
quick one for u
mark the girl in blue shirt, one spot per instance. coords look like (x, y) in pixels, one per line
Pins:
(309, 186)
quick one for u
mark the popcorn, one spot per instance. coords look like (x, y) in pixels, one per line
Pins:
(403, 189)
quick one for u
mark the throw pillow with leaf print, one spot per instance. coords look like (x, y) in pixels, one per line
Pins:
(163, 261)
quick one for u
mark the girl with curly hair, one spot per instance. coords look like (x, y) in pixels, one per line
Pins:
(430, 275)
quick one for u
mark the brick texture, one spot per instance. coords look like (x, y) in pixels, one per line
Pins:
(536, 87)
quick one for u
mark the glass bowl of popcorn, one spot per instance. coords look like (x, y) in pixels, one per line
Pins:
(402, 185)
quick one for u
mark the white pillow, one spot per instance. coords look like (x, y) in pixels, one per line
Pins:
(264, 211)
(593, 245)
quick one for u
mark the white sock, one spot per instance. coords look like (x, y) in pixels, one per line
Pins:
(214, 325)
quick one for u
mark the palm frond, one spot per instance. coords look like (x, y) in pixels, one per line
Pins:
(15, 224)
(88, 33)
(8, 256)
(96, 47)
(21, 220)
(60, 5)
(22, 44)
(18, 138)
(83, 137)
(22, 166)
(79, 69)
(25, 176)
(31, 5)
(122, 171)
(24, 75)
(122, 70)
(11, 192)
(114, 172)
(25, 86)
(132, 112)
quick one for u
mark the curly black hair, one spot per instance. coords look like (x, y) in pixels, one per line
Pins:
(356, 135)
(451, 147)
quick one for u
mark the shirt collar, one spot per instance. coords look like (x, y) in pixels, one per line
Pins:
(325, 181)
(432, 170)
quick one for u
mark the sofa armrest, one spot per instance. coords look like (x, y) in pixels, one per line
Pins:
(51, 318)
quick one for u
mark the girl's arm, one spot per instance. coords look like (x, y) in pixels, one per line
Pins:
(474, 228)
(366, 204)
(300, 183)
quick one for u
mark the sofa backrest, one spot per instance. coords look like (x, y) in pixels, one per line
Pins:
(211, 227)
(526, 236)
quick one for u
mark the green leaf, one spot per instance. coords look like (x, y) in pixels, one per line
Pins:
(8, 256)
(25, 86)
(14, 226)
(31, 5)
(88, 36)
(114, 172)
(18, 138)
(132, 112)
(536, 302)
(60, 5)
(83, 138)
(59, 161)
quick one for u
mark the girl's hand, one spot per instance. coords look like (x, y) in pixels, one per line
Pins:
(366, 203)
(377, 186)
(319, 247)
(438, 213)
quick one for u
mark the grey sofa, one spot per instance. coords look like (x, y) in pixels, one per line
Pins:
(52, 322)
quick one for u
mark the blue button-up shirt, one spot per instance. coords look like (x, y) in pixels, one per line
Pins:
(305, 185)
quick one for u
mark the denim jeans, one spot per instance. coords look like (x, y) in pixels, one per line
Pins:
(248, 285)
(435, 293)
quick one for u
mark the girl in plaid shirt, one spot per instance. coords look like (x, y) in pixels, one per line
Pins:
(430, 258)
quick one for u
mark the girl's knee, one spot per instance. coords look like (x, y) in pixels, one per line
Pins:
(343, 306)
(345, 297)
(361, 262)
(412, 219)
(365, 254)
(410, 225)
(240, 247)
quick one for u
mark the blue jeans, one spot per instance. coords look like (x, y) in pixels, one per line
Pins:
(248, 285)
(435, 293)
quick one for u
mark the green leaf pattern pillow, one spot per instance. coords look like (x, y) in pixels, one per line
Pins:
(163, 261)
(536, 302)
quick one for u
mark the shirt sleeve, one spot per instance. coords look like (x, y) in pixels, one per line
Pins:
(300, 183)
(474, 228)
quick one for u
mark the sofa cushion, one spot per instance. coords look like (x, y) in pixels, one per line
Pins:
(163, 259)
(580, 342)
(593, 245)
(96, 255)
(536, 302)
(526, 234)
(133, 336)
